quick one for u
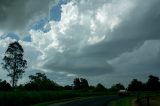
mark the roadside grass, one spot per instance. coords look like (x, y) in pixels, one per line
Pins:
(63, 100)
(130, 101)
(126, 101)
(83, 95)
(146, 93)
(55, 101)
(153, 101)
(26, 98)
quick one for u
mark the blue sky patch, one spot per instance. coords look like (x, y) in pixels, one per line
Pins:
(27, 38)
(10, 35)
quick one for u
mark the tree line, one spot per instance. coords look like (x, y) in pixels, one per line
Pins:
(39, 82)
(152, 84)
(15, 65)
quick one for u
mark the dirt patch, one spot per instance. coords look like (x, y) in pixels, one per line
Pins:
(154, 101)
(134, 103)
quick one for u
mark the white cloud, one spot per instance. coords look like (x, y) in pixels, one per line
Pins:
(62, 47)
(1, 33)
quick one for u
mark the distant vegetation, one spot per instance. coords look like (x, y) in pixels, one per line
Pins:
(40, 82)
(40, 88)
(152, 84)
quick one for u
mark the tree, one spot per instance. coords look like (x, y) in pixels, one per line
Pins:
(41, 82)
(14, 63)
(136, 85)
(117, 87)
(100, 88)
(83, 83)
(80, 83)
(68, 87)
(4, 86)
(153, 83)
(77, 83)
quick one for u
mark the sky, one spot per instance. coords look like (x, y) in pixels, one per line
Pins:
(104, 41)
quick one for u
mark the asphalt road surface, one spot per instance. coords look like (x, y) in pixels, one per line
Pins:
(94, 101)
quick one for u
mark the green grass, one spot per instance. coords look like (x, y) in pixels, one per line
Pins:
(81, 95)
(55, 101)
(147, 93)
(63, 100)
(127, 101)
(25, 98)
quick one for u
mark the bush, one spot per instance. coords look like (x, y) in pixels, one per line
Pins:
(100, 88)
(4, 86)
(41, 82)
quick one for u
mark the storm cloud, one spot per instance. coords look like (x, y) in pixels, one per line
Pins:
(105, 40)
(17, 15)
(88, 46)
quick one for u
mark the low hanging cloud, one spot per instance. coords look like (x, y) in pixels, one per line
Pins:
(17, 15)
(144, 59)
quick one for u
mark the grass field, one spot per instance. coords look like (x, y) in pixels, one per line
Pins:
(126, 101)
(63, 100)
(25, 98)
(153, 101)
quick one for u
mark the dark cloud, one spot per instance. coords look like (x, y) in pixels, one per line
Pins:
(78, 64)
(141, 25)
(16, 15)
(140, 63)
(132, 50)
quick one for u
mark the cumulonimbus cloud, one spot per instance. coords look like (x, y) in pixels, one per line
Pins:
(100, 38)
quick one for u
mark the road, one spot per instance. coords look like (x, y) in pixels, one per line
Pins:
(94, 101)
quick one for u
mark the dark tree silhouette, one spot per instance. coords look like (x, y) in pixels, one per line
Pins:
(68, 87)
(77, 83)
(83, 83)
(14, 63)
(136, 85)
(91, 87)
(80, 83)
(117, 87)
(41, 82)
(100, 88)
(153, 83)
(4, 86)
